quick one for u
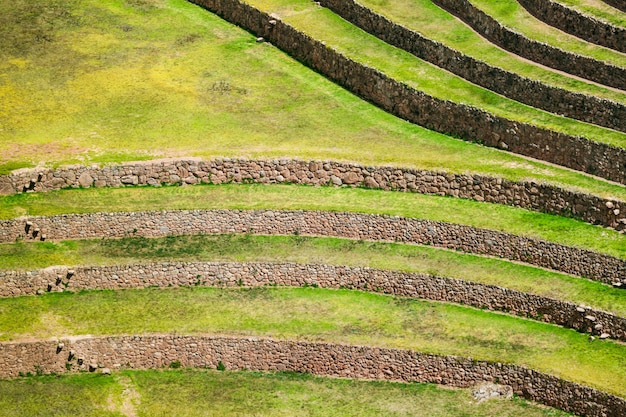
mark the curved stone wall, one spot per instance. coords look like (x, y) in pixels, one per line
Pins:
(462, 121)
(566, 259)
(583, 107)
(233, 274)
(618, 4)
(325, 359)
(577, 24)
(539, 52)
(528, 195)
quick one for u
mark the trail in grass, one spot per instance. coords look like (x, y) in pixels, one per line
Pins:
(327, 315)
(193, 392)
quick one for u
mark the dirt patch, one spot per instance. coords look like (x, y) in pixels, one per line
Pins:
(130, 399)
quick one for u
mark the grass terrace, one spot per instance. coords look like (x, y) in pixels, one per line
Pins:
(434, 23)
(86, 81)
(512, 15)
(133, 76)
(598, 10)
(323, 25)
(344, 316)
(193, 392)
(307, 250)
(291, 197)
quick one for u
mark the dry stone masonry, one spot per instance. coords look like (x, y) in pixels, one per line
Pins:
(577, 24)
(566, 259)
(618, 4)
(325, 359)
(528, 195)
(414, 285)
(463, 121)
(583, 107)
(542, 53)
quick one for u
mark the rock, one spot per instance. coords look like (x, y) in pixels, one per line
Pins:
(616, 212)
(370, 182)
(350, 178)
(260, 39)
(85, 180)
(335, 180)
(605, 336)
(488, 390)
(580, 309)
(590, 318)
(105, 371)
(131, 179)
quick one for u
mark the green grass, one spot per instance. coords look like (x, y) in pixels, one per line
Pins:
(305, 250)
(326, 26)
(194, 392)
(597, 9)
(435, 23)
(291, 197)
(323, 315)
(116, 83)
(512, 15)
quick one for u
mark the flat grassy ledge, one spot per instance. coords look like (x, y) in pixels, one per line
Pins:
(306, 250)
(290, 197)
(322, 315)
(227, 393)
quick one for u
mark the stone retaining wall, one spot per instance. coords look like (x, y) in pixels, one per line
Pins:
(528, 195)
(463, 121)
(618, 4)
(232, 274)
(539, 52)
(566, 259)
(325, 359)
(583, 107)
(572, 21)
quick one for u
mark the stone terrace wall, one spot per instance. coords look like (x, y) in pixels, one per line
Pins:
(325, 359)
(542, 53)
(423, 286)
(577, 24)
(570, 260)
(528, 195)
(534, 93)
(465, 122)
(618, 4)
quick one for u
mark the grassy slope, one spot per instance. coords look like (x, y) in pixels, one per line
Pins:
(290, 197)
(319, 314)
(435, 23)
(324, 25)
(126, 88)
(512, 15)
(192, 393)
(303, 250)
